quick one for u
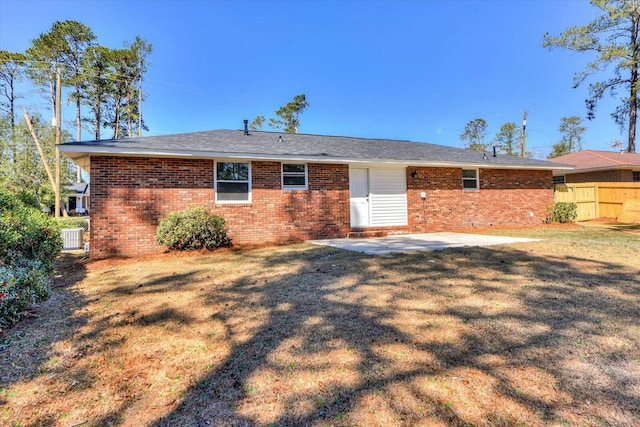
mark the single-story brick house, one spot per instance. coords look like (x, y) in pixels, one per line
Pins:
(276, 187)
(598, 166)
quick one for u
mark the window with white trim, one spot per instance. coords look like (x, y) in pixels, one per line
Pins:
(233, 182)
(294, 176)
(470, 179)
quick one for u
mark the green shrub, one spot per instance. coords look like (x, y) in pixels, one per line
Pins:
(27, 233)
(29, 243)
(192, 228)
(28, 198)
(9, 201)
(562, 212)
(74, 223)
(20, 286)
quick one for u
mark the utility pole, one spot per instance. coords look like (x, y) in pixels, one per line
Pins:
(56, 190)
(55, 181)
(523, 136)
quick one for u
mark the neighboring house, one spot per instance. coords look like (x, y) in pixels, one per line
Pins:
(598, 166)
(77, 197)
(279, 187)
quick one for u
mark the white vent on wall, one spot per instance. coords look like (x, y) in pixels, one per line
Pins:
(72, 238)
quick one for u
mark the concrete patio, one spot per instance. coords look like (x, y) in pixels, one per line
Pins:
(403, 243)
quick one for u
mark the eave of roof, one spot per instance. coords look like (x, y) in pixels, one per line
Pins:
(600, 169)
(297, 147)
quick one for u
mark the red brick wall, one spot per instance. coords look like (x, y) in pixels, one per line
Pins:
(505, 198)
(601, 176)
(130, 194)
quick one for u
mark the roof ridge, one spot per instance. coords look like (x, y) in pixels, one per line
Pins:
(606, 157)
(340, 136)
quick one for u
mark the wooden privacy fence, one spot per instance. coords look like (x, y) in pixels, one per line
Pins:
(611, 196)
(597, 199)
(584, 195)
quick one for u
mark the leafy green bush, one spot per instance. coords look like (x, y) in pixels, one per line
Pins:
(29, 244)
(192, 228)
(19, 287)
(27, 233)
(562, 212)
(74, 223)
(28, 198)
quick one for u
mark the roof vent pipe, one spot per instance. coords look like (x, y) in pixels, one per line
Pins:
(246, 126)
(494, 151)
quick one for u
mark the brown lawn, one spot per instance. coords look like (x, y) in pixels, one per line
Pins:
(530, 334)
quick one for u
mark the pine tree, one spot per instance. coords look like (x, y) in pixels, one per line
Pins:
(571, 140)
(289, 115)
(614, 36)
(474, 134)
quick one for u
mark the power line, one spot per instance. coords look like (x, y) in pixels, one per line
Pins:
(30, 67)
(35, 61)
(118, 77)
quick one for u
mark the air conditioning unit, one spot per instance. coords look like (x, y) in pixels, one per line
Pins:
(72, 238)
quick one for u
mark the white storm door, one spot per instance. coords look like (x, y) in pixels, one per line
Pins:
(359, 195)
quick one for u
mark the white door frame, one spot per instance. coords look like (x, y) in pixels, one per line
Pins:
(360, 205)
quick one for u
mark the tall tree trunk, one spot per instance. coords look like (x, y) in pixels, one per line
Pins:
(129, 118)
(633, 111)
(12, 113)
(116, 128)
(633, 96)
(79, 131)
(78, 121)
(52, 94)
(98, 117)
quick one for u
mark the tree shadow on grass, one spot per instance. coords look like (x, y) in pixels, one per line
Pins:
(26, 347)
(319, 332)
(47, 350)
(158, 284)
(341, 338)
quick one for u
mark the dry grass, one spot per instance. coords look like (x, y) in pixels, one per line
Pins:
(530, 334)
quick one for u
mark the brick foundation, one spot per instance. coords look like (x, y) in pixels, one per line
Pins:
(129, 195)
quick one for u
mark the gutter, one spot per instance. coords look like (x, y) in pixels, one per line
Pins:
(319, 158)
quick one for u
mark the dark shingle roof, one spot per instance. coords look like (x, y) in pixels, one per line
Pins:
(275, 145)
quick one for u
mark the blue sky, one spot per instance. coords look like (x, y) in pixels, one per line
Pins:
(417, 70)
